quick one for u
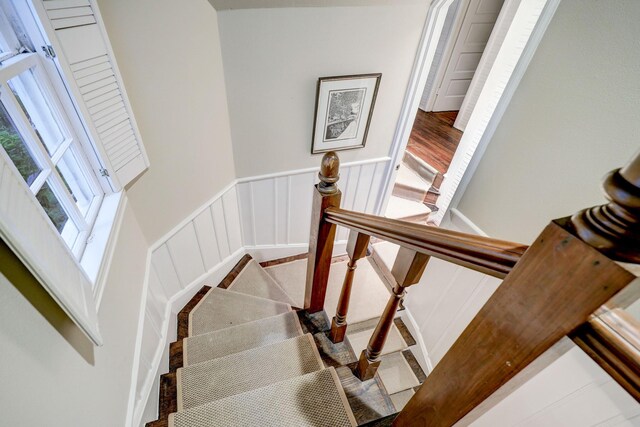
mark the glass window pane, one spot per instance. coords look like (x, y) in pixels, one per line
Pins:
(35, 106)
(52, 207)
(15, 147)
(75, 180)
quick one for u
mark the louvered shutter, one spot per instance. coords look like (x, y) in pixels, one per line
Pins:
(85, 58)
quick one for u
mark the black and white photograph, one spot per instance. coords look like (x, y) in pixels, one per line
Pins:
(344, 113)
(344, 107)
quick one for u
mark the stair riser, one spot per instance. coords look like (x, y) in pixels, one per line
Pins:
(409, 192)
(424, 171)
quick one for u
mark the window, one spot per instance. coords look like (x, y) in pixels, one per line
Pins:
(39, 140)
(36, 134)
(69, 145)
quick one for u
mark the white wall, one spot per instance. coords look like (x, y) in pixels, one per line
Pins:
(572, 119)
(170, 59)
(274, 57)
(51, 374)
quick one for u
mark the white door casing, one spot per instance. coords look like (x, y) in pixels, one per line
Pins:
(477, 24)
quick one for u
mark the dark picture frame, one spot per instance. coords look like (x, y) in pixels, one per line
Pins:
(343, 111)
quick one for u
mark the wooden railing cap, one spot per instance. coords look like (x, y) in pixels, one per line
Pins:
(329, 173)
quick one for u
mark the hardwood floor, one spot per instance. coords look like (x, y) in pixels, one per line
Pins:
(434, 139)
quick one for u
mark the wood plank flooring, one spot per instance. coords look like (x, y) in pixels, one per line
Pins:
(434, 139)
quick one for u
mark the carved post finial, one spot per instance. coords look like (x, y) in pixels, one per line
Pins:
(329, 173)
(614, 228)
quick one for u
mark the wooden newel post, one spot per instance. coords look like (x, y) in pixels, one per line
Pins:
(356, 249)
(407, 270)
(322, 235)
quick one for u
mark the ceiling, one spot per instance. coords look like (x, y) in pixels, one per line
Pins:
(264, 4)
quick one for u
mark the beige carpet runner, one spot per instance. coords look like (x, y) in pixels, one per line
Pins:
(245, 336)
(240, 372)
(221, 309)
(246, 362)
(314, 399)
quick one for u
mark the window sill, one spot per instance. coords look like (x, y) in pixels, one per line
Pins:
(96, 259)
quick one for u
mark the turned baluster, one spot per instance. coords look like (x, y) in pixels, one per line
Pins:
(356, 249)
(323, 233)
(407, 270)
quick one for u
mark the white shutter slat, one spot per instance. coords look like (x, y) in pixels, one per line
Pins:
(108, 118)
(25, 227)
(109, 110)
(79, 66)
(75, 30)
(120, 147)
(69, 12)
(115, 106)
(92, 69)
(122, 117)
(117, 136)
(111, 133)
(89, 97)
(72, 22)
(64, 4)
(95, 77)
(104, 101)
(119, 141)
(94, 85)
(121, 160)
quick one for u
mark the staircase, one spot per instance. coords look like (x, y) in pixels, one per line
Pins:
(410, 197)
(246, 355)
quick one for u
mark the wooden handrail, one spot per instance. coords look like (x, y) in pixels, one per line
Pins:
(491, 256)
(612, 339)
(553, 290)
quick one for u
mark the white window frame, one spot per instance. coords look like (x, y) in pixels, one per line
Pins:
(11, 68)
(97, 243)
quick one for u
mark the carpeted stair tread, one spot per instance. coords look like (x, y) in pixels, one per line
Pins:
(407, 210)
(314, 399)
(427, 172)
(369, 295)
(253, 280)
(409, 185)
(221, 309)
(236, 373)
(239, 338)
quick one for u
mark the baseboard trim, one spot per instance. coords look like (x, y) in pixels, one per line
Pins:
(463, 223)
(262, 253)
(173, 306)
(132, 408)
(419, 350)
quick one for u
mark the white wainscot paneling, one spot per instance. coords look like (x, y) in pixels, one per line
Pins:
(445, 301)
(267, 213)
(276, 209)
(200, 250)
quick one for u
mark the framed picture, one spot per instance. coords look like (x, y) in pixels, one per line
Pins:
(344, 106)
